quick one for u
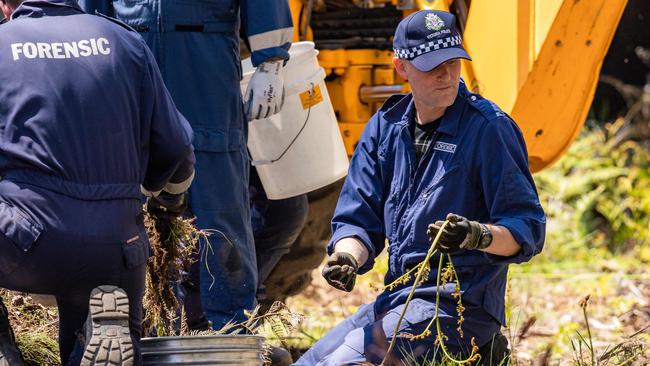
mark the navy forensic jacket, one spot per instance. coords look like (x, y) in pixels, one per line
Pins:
(84, 111)
(476, 167)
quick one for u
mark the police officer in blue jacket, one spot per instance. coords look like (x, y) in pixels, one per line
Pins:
(196, 43)
(86, 125)
(439, 153)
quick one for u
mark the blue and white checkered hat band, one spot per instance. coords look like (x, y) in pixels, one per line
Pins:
(438, 44)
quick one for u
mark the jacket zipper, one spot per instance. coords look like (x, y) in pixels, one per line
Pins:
(428, 152)
(413, 174)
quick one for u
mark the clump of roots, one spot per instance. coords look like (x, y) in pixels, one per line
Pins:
(173, 242)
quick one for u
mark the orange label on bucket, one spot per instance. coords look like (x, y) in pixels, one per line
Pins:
(311, 98)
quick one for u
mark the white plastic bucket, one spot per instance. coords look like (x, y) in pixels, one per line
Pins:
(306, 133)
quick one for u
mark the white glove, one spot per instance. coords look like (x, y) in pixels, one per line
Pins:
(265, 92)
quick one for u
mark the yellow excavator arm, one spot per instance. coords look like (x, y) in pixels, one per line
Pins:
(539, 60)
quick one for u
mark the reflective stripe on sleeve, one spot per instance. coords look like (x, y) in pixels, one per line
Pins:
(149, 193)
(274, 38)
(177, 188)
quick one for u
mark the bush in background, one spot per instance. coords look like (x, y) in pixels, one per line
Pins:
(597, 197)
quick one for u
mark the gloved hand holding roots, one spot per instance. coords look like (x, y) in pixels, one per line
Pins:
(265, 93)
(167, 205)
(460, 233)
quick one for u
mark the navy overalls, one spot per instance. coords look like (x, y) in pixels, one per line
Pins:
(196, 44)
(85, 124)
(476, 167)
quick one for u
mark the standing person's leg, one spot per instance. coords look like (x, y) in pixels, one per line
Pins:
(228, 270)
(206, 89)
(282, 223)
(276, 226)
(190, 296)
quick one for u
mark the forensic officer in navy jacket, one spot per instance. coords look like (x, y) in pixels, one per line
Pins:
(86, 125)
(439, 153)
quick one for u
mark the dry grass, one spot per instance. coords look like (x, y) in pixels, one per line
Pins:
(36, 329)
(172, 242)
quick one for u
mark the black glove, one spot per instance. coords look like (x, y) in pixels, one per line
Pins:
(341, 271)
(167, 205)
(460, 233)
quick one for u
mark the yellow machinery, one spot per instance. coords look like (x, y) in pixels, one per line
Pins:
(539, 60)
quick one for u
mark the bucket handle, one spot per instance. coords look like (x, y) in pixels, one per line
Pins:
(303, 85)
(271, 161)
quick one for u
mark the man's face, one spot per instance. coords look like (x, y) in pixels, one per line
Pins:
(435, 89)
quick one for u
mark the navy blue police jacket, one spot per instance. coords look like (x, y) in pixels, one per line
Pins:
(84, 111)
(476, 167)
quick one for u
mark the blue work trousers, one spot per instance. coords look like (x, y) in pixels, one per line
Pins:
(228, 270)
(56, 245)
(276, 226)
(365, 337)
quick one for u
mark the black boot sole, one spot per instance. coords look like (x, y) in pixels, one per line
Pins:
(109, 342)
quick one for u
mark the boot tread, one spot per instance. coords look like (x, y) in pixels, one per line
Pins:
(110, 341)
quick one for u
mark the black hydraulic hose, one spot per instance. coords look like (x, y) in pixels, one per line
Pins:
(310, 9)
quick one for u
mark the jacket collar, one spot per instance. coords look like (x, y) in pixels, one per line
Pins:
(403, 111)
(40, 8)
(400, 109)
